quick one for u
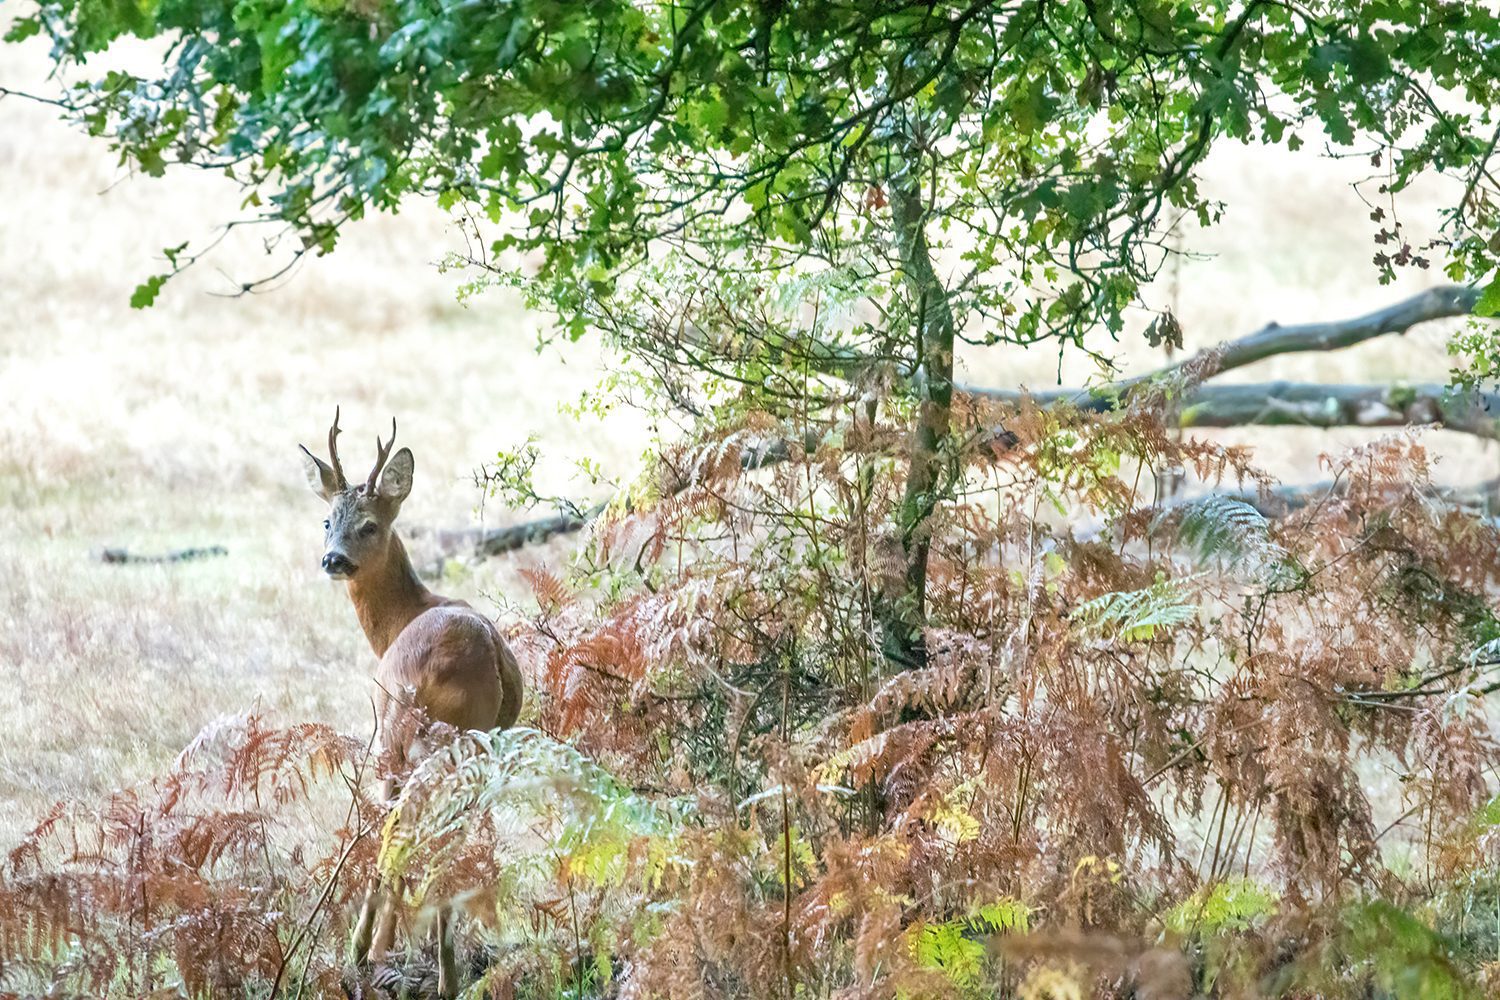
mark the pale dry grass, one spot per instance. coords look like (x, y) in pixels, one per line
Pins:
(177, 426)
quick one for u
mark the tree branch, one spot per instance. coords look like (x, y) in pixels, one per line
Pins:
(1271, 340)
(1444, 302)
(1435, 303)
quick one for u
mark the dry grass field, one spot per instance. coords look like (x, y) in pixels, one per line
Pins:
(178, 426)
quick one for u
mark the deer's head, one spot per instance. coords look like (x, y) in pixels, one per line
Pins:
(358, 529)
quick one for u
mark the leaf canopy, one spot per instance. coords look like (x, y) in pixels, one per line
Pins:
(1053, 145)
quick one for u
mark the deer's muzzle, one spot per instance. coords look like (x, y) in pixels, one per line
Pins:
(338, 566)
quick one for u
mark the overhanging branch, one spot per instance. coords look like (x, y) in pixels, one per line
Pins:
(1271, 340)
(1436, 303)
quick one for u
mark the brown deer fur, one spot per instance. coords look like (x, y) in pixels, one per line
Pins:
(450, 657)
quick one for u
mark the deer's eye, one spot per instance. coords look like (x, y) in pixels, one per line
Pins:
(367, 529)
(326, 525)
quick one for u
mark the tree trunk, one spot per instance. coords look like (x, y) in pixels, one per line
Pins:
(928, 473)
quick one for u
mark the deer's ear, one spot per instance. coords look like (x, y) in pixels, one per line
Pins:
(395, 481)
(320, 478)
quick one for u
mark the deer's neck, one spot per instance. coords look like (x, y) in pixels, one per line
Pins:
(388, 596)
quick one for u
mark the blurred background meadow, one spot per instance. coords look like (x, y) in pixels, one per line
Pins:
(177, 426)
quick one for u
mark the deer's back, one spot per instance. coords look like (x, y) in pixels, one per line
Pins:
(457, 667)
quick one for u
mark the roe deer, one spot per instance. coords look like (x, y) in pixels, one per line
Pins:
(436, 654)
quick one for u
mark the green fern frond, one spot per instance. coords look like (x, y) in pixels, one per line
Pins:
(1221, 526)
(521, 777)
(1234, 904)
(958, 948)
(1234, 533)
(1137, 615)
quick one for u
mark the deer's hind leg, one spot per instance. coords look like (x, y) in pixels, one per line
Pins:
(447, 963)
(385, 926)
(375, 930)
(375, 895)
(403, 731)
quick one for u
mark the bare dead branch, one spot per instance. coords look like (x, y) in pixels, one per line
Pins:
(1271, 340)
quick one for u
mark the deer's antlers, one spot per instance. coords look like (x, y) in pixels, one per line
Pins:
(382, 452)
(333, 451)
(337, 471)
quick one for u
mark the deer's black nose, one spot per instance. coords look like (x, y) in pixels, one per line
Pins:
(337, 564)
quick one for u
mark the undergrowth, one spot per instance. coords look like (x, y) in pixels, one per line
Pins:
(1233, 746)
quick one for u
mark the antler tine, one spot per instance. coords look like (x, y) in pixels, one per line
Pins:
(333, 451)
(382, 452)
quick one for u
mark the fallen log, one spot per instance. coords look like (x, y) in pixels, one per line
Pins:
(494, 541)
(1297, 404)
(120, 556)
(1302, 404)
(1482, 497)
